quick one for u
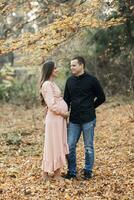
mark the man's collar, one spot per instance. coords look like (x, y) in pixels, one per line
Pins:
(80, 76)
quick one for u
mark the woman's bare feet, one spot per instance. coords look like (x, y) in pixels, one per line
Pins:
(57, 175)
(45, 176)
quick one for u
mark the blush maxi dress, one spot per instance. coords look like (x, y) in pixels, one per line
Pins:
(55, 144)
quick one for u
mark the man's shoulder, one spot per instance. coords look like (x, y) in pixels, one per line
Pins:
(87, 75)
(70, 78)
(90, 77)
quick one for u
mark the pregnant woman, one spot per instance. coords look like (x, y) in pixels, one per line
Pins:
(55, 145)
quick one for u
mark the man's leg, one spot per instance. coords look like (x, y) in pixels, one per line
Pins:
(88, 136)
(74, 131)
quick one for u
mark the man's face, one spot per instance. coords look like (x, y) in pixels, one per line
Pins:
(76, 68)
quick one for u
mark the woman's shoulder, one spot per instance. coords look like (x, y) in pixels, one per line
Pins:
(46, 83)
(46, 86)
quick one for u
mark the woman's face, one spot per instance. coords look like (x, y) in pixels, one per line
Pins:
(55, 72)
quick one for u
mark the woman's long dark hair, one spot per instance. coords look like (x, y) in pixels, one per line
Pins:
(46, 72)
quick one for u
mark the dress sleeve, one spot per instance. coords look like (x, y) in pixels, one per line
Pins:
(48, 95)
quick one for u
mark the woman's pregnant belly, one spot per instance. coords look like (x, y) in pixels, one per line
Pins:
(62, 105)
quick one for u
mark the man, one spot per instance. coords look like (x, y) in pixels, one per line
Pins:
(83, 94)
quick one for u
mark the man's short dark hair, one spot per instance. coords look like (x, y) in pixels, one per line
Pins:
(80, 59)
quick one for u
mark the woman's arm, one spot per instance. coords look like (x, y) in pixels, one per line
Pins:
(47, 92)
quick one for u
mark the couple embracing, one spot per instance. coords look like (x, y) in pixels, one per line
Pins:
(82, 95)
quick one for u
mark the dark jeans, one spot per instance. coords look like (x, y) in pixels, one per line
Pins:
(74, 132)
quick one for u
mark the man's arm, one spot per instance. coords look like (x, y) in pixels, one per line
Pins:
(67, 97)
(99, 93)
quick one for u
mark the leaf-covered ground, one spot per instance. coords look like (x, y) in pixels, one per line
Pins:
(20, 163)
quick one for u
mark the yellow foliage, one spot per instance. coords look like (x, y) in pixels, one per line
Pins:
(57, 32)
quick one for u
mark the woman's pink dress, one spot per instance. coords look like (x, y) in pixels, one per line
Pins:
(55, 147)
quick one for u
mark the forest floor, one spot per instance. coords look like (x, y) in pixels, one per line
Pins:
(21, 138)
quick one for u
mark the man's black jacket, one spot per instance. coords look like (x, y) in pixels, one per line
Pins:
(83, 94)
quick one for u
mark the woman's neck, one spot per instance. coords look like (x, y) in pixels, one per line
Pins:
(51, 79)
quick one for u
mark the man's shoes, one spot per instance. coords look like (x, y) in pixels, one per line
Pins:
(87, 175)
(69, 176)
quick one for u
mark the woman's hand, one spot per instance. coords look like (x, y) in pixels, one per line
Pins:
(66, 115)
